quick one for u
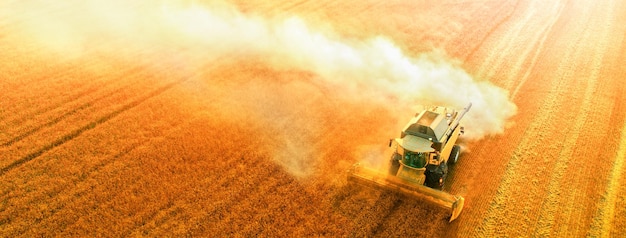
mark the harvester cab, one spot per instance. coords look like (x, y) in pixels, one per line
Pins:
(420, 158)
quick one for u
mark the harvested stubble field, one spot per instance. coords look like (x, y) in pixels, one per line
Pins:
(143, 132)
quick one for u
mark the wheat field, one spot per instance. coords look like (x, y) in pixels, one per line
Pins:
(147, 133)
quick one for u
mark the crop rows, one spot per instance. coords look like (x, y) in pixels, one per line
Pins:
(154, 142)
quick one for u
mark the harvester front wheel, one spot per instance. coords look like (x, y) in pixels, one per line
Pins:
(435, 175)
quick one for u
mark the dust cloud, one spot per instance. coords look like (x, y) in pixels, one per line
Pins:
(373, 70)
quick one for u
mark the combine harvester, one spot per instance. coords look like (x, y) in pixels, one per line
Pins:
(420, 159)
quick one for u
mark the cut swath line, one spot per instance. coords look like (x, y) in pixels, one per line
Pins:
(87, 127)
(537, 53)
(496, 210)
(498, 56)
(542, 42)
(603, 220)
(602, 46)
(550, 206)
(551, 203)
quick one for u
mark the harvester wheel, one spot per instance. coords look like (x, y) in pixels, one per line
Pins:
(435, 175)
(454, 154)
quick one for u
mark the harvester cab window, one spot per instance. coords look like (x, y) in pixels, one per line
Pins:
(415, 159)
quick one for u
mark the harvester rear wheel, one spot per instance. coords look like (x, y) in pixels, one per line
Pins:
(454, 154)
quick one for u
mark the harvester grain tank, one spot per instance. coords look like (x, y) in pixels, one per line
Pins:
(420, 159)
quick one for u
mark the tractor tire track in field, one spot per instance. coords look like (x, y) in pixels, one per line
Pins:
(94, 88)
(40, 111)
(61, 110)
(87, 127)
(94, 109)
(24, 85)
(57, 119)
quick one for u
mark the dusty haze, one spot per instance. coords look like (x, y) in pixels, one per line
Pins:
(372, 71)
